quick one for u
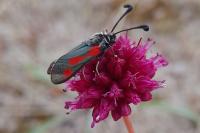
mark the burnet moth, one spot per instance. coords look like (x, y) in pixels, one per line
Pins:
(69, 64)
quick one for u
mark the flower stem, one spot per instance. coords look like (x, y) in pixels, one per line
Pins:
(128, 124)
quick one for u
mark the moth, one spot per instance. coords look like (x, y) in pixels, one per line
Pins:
(69, 64)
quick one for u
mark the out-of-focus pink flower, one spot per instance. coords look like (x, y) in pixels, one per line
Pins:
(123, 75)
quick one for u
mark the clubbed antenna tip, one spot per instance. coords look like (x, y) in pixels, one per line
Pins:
(145, 27)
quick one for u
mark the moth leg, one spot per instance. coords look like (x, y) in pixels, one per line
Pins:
(84, 72)
(97, 68)
(110, 46)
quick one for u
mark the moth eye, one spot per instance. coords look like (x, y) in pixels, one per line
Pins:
(101, 36)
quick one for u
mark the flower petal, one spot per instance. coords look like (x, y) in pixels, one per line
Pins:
(115, 92)
(101, 111)
(146, 96)
(116, 115)
(102, 80)
(115, 67)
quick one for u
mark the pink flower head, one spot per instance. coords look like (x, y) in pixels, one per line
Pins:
(123, 75)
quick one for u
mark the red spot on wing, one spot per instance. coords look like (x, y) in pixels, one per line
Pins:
(94, 51)
(68, 72)
(76, 60)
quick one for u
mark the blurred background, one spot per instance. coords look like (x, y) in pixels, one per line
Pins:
(35, 32)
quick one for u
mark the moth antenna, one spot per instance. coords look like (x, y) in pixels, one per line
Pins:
(129, 8)
(144, 27)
